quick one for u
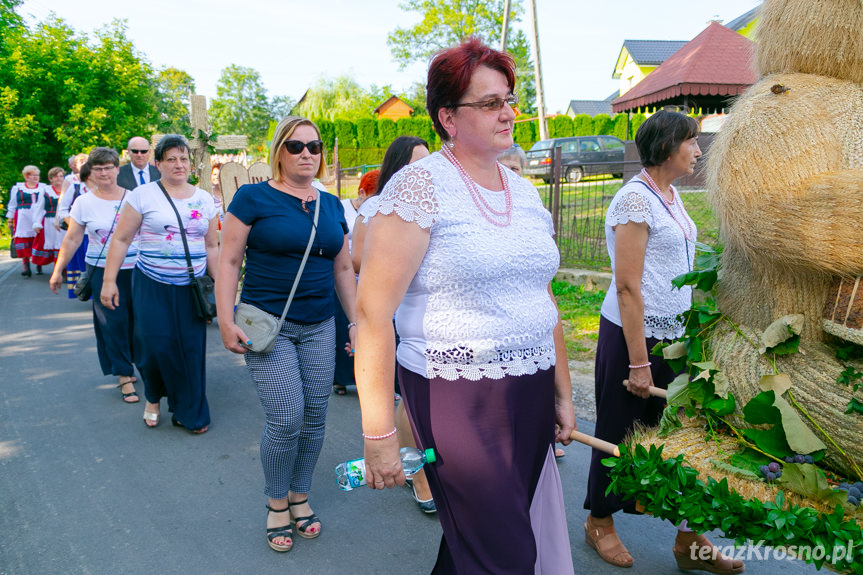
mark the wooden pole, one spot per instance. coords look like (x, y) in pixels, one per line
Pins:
(537, 69)
(654, 391)
(596, 443)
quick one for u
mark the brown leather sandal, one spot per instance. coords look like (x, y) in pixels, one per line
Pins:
(693, 560)
(604, 539)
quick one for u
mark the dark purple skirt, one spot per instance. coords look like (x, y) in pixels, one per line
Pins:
(617, 410)
(495, 483)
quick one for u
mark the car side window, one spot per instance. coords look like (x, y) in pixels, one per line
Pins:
(590, 145)
(570, 147)
(612, 143)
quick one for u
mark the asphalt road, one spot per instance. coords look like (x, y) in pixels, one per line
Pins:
(85, 487)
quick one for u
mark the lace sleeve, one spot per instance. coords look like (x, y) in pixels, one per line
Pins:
(631, 207)
(410, 194)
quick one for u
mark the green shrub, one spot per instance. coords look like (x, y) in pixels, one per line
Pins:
(367, 136)
(560, 127)
(328, 132)
(582, 125)
(386, 132)
(619, 128)
(525, 133)
(346, 132)
(634, 123)
(602, 124)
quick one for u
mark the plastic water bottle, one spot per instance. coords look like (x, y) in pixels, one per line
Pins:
(352, 474)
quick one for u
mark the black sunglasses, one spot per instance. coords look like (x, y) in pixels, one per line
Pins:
(295, 147)
(134, 151)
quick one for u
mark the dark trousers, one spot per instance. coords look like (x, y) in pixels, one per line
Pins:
(344, 374)
(113, 327)
(617, 410)
(170, 348)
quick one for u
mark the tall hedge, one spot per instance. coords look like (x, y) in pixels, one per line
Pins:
(602, 124)
(525, 133)
(346, 132)
(619, 126)
(367, 133)
(328, 132)
(560, 127)
(582, 125)
(386, 132)
(634, 123)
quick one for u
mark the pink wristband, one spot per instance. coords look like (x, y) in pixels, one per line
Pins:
(639, 366)
(376, 437)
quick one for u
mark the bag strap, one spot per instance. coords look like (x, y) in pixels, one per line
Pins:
(189, 267)
(111, 231)
(305, 258)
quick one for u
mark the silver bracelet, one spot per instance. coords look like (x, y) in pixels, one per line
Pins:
(352, 324)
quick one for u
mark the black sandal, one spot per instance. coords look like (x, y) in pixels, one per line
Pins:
(126, 396)
(283, 531)
(339, 389)
(306, 521)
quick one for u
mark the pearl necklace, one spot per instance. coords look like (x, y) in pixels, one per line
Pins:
(687, 233)
(481, 204)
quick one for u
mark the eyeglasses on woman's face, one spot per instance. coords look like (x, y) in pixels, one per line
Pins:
(295, 147)
(102, 169)
(490, 105)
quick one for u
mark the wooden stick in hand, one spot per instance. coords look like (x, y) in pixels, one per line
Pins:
(653, 390)
(595, 442)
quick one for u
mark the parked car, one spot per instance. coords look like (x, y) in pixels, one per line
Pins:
(580, 156)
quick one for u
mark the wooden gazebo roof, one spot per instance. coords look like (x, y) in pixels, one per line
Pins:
(706, 73)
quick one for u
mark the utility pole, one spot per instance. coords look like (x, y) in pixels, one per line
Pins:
(537, 67)
(505, 31)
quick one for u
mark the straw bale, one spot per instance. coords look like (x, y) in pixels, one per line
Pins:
(813, 376)
(698, 453)
(795, 36)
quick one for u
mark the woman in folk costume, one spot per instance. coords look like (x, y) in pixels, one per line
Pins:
(22, 198)
(49, 236)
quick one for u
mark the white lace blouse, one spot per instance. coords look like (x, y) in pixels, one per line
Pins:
(478, 307)
(668, 255)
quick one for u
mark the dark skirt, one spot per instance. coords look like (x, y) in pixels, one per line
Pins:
(170, 348)
(113, 327)
(344, 374)
(495, 484)
(617, 410)
(76, 266)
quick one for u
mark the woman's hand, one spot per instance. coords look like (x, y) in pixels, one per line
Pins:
(640, 382)
(56, 280)
(383, 464)
(351, 346)
(110, 296)
(564, 416)
(233, 338)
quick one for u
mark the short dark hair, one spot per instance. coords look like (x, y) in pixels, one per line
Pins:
(169, 142)
(84, 171)
(101, 156)
(397, 156)
(451, 70)
(661, 134)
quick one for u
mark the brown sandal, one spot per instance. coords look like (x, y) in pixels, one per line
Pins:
(604, 539)
(692, 559)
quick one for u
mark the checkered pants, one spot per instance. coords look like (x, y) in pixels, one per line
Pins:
(294, 382)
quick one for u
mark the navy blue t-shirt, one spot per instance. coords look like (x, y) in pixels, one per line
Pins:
(280, 232)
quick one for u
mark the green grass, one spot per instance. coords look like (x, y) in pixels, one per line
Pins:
(579, 311)
(581, 227)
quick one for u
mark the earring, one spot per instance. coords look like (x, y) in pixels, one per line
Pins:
(451, 142)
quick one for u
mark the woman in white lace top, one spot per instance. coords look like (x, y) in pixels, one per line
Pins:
(467, 248)
(651, 240)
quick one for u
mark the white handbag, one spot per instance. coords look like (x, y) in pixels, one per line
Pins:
(260, 327)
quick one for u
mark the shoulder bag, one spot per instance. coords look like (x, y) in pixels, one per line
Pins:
(203, 287)
(83, 289)
(261, 327)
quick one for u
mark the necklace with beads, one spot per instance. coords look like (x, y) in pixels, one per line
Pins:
(488, 212)
(687, 233)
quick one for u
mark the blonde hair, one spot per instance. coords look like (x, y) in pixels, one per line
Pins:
(283, 132)
(29, 169)
(54, 171)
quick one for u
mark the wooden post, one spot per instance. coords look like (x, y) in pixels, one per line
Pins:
(505, 31)
(200, 145)
(537, 68)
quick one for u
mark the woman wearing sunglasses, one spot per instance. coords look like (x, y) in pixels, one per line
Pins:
(271, 224)
(468, 249)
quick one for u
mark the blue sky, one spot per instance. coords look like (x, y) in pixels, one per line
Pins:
(292, 43)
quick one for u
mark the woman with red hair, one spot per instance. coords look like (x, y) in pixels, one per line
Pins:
(468, 249)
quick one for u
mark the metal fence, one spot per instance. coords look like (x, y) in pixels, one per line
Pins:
(578, 210)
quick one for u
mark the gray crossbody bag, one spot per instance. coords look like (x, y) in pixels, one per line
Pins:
(261, 327)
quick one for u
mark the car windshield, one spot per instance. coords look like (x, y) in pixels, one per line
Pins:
(542, 145)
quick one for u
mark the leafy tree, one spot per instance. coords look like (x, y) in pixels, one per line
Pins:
(281, 106)
(445, 23)
(341, 97)
(173, 90)
(62, 93)
(241, 105)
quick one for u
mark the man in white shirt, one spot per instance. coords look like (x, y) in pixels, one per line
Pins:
(138, 171)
